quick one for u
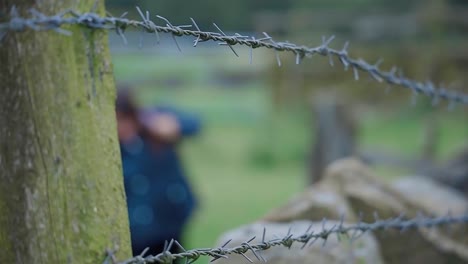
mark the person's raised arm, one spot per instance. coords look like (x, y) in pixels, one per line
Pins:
(168, 125)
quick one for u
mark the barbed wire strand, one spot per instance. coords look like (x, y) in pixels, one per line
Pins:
(352, 231)
(41, 22)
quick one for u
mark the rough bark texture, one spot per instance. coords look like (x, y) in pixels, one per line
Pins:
(61, 188)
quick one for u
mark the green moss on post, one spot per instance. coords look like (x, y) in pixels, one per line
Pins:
(61, 188)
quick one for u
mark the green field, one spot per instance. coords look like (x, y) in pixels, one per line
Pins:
(250, 157)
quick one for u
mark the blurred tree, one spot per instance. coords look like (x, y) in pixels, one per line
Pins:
(61, 186)
(335, 134)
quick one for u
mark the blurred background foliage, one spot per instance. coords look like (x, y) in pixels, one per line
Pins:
(259, 122)
(241, 15)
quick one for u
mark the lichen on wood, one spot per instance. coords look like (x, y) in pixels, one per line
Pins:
(61, 188)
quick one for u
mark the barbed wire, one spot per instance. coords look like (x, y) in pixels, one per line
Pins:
(352, 231)
(41, 22)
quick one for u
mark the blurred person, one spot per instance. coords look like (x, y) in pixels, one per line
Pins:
(159, 198)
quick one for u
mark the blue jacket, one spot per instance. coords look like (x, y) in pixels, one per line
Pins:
(159, 197)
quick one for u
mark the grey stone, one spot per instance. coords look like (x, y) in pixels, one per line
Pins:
(368, 194)
(315, 203)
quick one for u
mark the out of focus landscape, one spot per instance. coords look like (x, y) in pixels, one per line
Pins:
(268, 131)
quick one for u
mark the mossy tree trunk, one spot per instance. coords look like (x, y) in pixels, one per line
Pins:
(61, 188)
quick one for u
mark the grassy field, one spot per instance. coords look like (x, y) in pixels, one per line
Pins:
(251, 158)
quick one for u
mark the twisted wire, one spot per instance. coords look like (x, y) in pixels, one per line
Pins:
(307, 238)
(41, 22)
